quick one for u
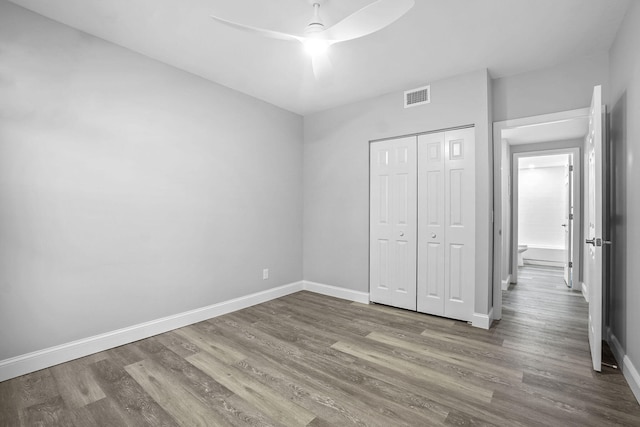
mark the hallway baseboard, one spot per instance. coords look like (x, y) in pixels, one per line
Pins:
(628, 369)
(506, 283)
(585, 291)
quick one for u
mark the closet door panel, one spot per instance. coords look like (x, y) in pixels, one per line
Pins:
(382, 270)
(459, 227)
(431, 220)
(393, 222)
(433, 270)
(456, 268)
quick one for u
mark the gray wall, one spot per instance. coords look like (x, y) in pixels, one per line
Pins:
(567, 86)
(130, 190)
(336, 176)
(624, 316)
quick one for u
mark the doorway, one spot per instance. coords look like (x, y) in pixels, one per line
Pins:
(546, 211)
(557, 133)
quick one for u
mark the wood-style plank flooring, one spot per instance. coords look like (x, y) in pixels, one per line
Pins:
(312, 360)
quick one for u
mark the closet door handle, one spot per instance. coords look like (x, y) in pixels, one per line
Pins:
(402, 234)
(433, 235)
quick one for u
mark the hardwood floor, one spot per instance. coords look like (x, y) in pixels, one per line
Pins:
(312, 360)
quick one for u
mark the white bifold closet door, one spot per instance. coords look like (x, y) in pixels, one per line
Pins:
(393, 222)
(446, 223)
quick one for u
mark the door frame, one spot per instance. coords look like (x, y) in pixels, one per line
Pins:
(578, 214)
(498, 250)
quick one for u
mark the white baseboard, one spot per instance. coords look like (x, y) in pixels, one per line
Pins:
(23, 364)
(483, 320)
(543, 263)
(334, 291)
(628, 369)
(585, 291)
(506, 283)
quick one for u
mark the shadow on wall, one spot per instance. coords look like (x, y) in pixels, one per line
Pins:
(615, 292)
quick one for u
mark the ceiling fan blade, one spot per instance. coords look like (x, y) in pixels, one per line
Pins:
(369, 19)
(260, 31)
(321, 65)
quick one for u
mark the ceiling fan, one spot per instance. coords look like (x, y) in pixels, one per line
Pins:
(316, 39)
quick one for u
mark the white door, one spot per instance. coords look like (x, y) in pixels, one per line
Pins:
(431, 224)
(393, 222)
(460, 223)
(568, 224)
(446, 222)
(594, 240)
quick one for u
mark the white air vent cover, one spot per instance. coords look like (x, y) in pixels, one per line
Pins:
(419, 96)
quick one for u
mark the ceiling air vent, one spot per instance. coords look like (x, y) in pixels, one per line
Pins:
(419, 96)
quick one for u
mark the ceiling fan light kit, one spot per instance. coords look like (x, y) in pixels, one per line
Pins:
(314, 43)
(315, 46)
(317, 39)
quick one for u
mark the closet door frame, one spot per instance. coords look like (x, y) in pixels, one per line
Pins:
(464, 277)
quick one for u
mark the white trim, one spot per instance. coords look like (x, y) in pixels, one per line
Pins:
(553, 248)
(482, 320)
(628, 369)
(585, 291)
(334, 291)
(543, 263)
(30, 362)
(616, 348)
(506, 283)
(23, 364)
(632, 376)
(543, 118)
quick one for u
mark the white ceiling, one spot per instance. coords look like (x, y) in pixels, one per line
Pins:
(436, 39)
(536, 162)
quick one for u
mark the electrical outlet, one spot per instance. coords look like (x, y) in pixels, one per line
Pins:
(265, 274)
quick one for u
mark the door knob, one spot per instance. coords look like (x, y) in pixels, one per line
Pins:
(433, 235)
(402, 234)
(597, 241)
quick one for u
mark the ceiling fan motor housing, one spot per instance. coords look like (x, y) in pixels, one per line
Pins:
(316, 25)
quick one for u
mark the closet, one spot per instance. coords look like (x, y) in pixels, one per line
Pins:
(422, 223)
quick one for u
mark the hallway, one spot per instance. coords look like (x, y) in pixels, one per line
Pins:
(544, 318)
